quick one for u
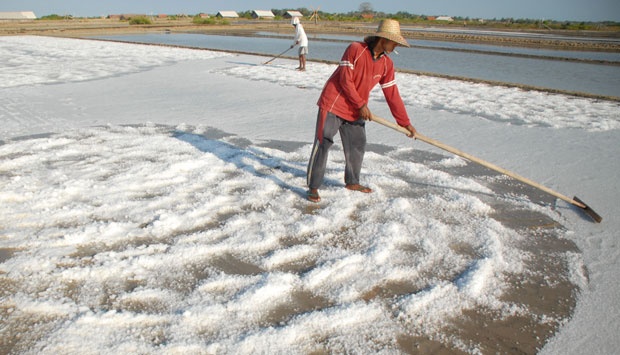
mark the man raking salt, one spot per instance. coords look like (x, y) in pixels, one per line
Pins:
(343, 105)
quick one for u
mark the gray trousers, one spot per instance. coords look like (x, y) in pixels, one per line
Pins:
(353, 137)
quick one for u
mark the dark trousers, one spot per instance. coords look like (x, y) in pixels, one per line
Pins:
(353, 137)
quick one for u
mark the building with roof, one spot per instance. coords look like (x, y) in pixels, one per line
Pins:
(227, 14)
(257, 14)
(444, 18)
(18, 15)
(291, 14)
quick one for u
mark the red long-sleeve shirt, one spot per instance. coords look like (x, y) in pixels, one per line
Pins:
(348, 89)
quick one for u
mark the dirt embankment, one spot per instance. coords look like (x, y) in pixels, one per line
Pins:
(606, 41)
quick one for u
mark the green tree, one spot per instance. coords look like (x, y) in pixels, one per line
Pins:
(366, 8)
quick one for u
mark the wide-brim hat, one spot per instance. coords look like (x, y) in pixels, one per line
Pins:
(390, 29)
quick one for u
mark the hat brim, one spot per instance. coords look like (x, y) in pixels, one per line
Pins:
(392, 37)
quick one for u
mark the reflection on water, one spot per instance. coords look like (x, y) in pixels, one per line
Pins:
(426, 56)
(585, 55)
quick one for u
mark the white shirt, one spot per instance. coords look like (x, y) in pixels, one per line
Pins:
(300, 36)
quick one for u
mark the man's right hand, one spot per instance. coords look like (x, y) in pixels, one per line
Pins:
(365, 113)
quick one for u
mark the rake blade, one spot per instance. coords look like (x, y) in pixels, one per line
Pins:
(590, 212)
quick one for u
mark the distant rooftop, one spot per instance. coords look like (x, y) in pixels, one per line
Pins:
(19, 15)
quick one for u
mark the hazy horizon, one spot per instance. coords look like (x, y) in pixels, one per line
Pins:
(556, 10)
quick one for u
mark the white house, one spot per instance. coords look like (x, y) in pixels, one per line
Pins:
(444, 18)
(227, 14)
(20, 15)
(263, 14)
(291, 14)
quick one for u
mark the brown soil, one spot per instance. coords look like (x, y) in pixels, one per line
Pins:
(86, 27)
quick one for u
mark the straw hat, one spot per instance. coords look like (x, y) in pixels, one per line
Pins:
(390, 29)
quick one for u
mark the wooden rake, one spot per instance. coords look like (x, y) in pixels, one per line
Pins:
(278, 56)
(573, 201)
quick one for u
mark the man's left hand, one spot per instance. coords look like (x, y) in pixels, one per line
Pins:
(411, 130)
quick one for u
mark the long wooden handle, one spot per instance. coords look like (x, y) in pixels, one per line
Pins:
(278, 56)
(477, 160)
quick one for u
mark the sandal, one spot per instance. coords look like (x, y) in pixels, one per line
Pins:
(313, 195)
(358, 187)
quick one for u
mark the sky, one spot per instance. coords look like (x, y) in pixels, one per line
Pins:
(574, 10)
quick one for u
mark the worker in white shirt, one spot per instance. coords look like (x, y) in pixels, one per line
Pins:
(302, 40)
